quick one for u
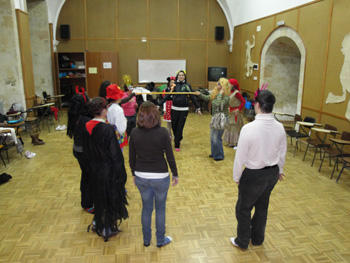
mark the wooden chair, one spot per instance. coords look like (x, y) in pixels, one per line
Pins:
(333, 152)
(1, 146)
(297, 134)
(47, 98)
(346, 164)
(318, 144)
(30, 121)
(297, 118)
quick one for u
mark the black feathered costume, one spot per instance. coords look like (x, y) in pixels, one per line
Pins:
(108, 177)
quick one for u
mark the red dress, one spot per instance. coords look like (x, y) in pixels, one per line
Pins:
(168, 104)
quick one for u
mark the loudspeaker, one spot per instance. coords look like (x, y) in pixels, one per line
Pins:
(65, 31)
(219, 33)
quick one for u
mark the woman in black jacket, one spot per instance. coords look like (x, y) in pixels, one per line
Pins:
(179, 109)
(77, 118)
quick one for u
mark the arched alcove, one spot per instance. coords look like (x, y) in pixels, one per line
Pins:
(282, 67)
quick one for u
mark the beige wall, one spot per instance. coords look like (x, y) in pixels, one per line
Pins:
(41, 51)
(322, 27)
(175, 29)
(11, 80)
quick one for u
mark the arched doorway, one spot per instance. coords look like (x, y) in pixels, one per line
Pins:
(282, 67)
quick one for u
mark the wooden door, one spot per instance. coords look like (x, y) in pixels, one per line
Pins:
(96, 72)
(26, 57)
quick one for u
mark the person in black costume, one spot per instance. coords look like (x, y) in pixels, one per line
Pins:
(77, 118)
(179, 109)
(108, 175)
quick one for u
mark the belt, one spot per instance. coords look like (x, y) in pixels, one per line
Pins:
(269, 167)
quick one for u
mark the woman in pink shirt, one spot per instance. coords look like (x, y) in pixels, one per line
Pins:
(129, 109)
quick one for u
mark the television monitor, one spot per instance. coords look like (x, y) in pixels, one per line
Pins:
(215, 73)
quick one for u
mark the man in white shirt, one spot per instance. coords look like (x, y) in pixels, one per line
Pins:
(262, 147)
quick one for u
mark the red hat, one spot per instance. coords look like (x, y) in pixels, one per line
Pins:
(114, 92)
(234, 82)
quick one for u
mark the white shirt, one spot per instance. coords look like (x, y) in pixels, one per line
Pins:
(261, 143)
(115, 116)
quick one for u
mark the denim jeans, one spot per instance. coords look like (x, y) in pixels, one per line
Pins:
(254, 190)
(217, 150)
(153, 191)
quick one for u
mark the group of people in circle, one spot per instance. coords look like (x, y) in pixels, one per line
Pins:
(102, 126)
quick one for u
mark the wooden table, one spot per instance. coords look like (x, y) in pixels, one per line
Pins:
(13, 115)
(282, 114)
(289, 123)
(47, 110)
(58, 100)
(308, 124)
(326, 132)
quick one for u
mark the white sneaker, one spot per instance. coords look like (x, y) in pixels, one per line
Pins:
(233, 241)
(30, 155)
(61, 128)
(235, 148)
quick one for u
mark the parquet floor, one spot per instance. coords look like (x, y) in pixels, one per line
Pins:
(41, 219)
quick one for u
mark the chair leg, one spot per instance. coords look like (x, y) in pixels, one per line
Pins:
(2, 159)
(7, 154)
(296, 146)
(335, 164)
(324, 155)
(344, 164)
(320, 154)
(307, 147)
(314, 156)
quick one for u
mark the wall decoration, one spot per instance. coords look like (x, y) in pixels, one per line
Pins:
(344, 77)
(248, 62)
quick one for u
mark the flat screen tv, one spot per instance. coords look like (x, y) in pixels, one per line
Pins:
(215, 73)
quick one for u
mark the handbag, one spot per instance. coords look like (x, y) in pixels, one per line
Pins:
(218, 120)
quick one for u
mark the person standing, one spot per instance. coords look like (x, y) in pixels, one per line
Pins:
(77, 119)
(235, 120)
(129, 108)
(262, 148)
(107, 170)
(115, 114)
(219, 101)
(179, 110)
(168, 104)
(150, 153)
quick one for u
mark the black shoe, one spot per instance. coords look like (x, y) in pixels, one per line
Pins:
(146, 245)
(211, 156)
(218, 159)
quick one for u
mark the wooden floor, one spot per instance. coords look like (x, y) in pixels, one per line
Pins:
(41, 219)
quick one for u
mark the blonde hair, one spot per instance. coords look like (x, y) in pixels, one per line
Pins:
(225, 85)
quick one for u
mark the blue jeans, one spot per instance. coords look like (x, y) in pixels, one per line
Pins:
(153, 191)
(217, 150)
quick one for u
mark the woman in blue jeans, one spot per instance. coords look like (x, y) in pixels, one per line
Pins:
(220, 100)
(147, 145)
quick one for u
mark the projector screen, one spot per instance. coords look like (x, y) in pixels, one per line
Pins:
(158, 70)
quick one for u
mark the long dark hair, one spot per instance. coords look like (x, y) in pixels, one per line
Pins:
(102, 92)
(77, 106)
(97, 105)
